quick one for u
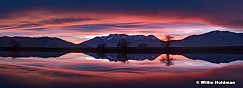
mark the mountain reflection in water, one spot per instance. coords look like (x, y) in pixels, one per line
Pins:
(123, 57)
(113, 70)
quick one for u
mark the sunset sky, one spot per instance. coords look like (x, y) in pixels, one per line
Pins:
(80, 20)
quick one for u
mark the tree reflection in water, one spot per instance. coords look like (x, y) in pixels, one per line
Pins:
(123, 58)
(14, 54)
(167, 60)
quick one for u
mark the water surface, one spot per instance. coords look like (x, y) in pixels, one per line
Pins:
(111, 70)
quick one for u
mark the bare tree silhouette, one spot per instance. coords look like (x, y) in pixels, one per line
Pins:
(167, 40)
(14, 44)
(123, 44)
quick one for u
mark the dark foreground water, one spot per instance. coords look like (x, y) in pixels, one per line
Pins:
(99, 70)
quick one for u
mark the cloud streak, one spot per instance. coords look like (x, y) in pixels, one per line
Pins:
(82, 18)
(219, 12)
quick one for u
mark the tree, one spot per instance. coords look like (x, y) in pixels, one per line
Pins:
(14, 44)
(123, 43)
(167, 40)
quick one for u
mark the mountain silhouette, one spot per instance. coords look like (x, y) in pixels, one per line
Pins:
(215, 58)
(213, 38)
(36, 42)
(123, 57)
(18, 54)
(135, 40)
(212, 58)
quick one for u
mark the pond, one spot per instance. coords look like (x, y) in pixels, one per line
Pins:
(111, 70)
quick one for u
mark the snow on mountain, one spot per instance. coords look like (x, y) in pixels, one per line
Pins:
(135, 40)
(213, 38)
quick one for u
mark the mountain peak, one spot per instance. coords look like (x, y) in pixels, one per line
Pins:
(221, 32)
(118, 35)
(213, 38)
(151, 36)
(112, 40)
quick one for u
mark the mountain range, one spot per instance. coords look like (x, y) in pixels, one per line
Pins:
(134, 40)
(115, 57)
(215, 58)
(212, 58)
(120, 57)
(36, 42)
(213, 38)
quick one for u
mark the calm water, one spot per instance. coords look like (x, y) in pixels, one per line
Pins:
(97, 70)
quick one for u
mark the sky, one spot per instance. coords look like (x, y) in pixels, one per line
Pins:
(79, 20)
